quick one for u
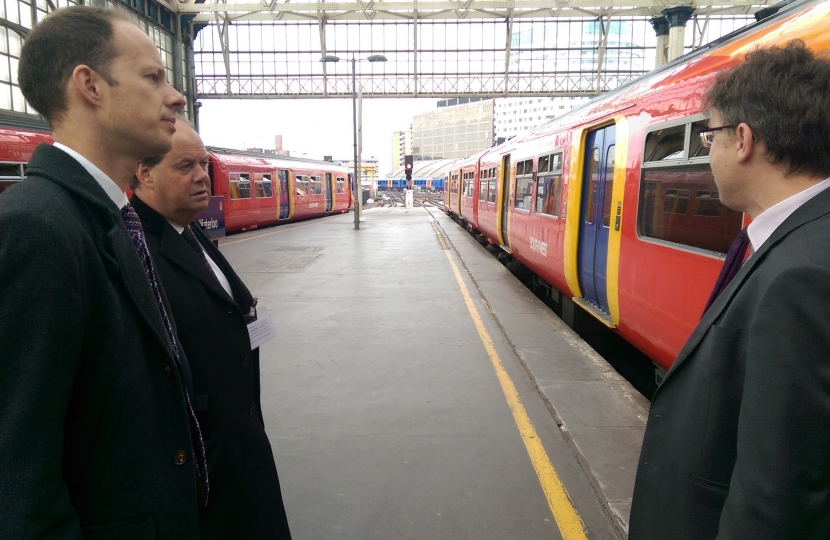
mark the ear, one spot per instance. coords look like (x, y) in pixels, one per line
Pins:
(745, 141)
(144, 176)
(87, 84)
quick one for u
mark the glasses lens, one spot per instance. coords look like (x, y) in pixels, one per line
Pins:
(706, 138)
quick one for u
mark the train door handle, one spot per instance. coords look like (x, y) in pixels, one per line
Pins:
(619, 214)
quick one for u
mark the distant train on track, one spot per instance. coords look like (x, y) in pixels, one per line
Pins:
(613, 206)
(257, 189)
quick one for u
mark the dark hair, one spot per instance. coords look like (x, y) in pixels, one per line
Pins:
(64, 40)
(783, 94)
(152, 161)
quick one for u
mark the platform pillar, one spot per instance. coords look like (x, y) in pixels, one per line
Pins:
(661, 28)
(677, 18)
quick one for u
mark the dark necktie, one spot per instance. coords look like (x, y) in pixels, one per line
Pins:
(133, 224)
(733, 262)
(188, 235)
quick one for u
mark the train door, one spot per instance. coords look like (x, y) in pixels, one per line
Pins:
(504, 200)
(351, 190)
(282, 196)
(595, 215)
(329, 189)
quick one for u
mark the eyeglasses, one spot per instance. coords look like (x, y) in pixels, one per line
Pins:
(707, 136)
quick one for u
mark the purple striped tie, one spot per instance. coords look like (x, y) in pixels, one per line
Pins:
(734, 261)
(133, 224)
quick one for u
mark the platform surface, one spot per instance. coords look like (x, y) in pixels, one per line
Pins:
(385, 408)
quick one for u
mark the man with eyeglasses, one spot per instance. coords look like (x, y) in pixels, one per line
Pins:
(738, 437)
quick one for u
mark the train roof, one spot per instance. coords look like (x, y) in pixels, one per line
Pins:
(229, 155)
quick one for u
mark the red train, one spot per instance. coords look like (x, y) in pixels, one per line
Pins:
(614, 205)
(257, 189)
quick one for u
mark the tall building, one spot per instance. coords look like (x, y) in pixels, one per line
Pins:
(458, 128)
(515, 116)
(401, 146)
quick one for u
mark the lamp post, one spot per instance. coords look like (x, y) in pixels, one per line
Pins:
(358, 177)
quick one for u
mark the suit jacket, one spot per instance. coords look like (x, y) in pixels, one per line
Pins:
(92, 414)
(738, 437)
(245, 498)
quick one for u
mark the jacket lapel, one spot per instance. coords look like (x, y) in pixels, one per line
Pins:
(176, 249)
(813, 209)
(114, 242)
(242, 296)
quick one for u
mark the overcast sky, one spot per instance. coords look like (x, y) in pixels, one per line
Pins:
(318, 127)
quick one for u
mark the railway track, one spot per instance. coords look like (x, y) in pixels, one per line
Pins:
(396, 199)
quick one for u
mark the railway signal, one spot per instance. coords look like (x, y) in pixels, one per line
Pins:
(407, 167)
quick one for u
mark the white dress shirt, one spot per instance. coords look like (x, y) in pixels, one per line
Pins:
(110, 187)
(770, 219)
(220, 276)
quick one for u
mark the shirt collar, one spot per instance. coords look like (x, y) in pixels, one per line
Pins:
(109, 186)
(179, 228)
(770, 219)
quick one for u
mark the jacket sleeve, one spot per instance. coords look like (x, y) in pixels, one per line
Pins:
(780, 485)
(41, 329)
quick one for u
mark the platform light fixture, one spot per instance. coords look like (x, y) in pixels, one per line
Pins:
(358, 177)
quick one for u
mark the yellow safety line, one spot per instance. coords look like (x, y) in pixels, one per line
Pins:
(567, 519)
(223, 244)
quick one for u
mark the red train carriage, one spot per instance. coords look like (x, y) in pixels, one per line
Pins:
(16, 147)
(614, 205)
(263, 189)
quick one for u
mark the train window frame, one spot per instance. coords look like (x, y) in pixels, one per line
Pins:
(316, 184)
(691, 161)
(340, 184)
(482, 184)
(7, 179)
(553, 172)
(240, 178)
(261, 180)
(301, 180)
(524, 198)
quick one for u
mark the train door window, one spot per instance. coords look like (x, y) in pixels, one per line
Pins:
(240, 185)
(341, 184)
(609, 187)
(10, 174)
(264, 187)
(524, 181)
(301, 184)
(593, 174)
(316, 185)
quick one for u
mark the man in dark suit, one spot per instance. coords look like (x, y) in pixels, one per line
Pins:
(738, 437)
(211, 307)
(95, 437)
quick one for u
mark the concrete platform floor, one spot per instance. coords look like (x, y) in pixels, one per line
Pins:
(384, 410)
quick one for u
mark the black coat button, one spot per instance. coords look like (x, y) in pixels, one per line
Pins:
(252, 412)
(168, 372)
(246, 362)
(230, 311)
(179, 457)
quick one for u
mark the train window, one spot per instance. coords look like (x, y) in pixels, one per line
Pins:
(240, 185)
(665, 198)
(609, 187)
(544, 164)
(695, 148)
(549, 195)
(482, 186)
(665, 144)
(491, 193)
(341, 184)
(593, 174)
(301, 184)
(524, 181)
(316, 185)
(264, 187)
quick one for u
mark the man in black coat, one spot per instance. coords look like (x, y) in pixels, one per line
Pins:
(211, 307)
(738, 438)
(95, 440)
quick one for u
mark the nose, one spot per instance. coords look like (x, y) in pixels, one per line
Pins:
(175, 100)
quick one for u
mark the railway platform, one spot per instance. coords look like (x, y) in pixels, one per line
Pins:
(416, 389)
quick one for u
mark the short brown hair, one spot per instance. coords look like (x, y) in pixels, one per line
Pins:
(783, 95)
(67, 38)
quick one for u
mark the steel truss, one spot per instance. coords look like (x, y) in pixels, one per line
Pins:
(435, 49)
